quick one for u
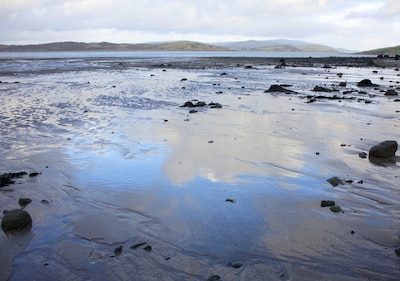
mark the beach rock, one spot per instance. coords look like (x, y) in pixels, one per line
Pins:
(215, 105)
(8, 178)
(188, 104)
(24, 201)
(235, 265)
(191, 104)
(362, 155)
(336, 209)
(366, 83)
(334, 181)
(278, 89)
(321, 89)
(384, 149)
(15, 220)
(391, 92)
(327, 203)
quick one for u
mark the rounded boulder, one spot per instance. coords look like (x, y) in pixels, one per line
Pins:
(15, 220)
(384, 149)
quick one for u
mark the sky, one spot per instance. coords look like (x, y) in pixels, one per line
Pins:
(350, 24)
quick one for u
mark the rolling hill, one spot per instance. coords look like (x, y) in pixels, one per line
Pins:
(392, 51)
(105, 46)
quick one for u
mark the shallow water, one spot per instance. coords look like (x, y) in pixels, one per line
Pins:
(123, 163)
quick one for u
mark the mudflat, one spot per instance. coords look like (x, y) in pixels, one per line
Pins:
(200, 168)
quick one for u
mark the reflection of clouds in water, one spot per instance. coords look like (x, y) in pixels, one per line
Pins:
(240, 140)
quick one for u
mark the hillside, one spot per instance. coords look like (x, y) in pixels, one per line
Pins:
(277, 45)
(104, 46)
(392, 51)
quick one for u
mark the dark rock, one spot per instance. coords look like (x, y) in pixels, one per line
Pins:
(362, 155)
(336, 209)
(366, 83)
(279, 89)
(15, 220)
(384, 149)
(200, 104)
(215, 105)
(321, 89)
(148, 248)
(223, 74)
(184, 79)
(391, 92)
(214, 278)
(342, 84)
(118, 251)
(24, 201)
(8, 178)
(45, 202)
(34, 174)
(397, 252)
(188, 104)
(235, 265)
(230, 200)
(193, 111)
(327, 203)
(334, 181)
(134, 247)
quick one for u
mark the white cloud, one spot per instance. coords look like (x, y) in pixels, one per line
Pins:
(340, 23)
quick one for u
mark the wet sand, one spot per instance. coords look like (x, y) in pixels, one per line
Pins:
(132, 186)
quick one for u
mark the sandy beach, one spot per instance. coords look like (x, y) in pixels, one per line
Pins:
(133, 185)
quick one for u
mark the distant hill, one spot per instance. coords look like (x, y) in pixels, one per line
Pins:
(105, 46)
(278, 45)
(384, 51)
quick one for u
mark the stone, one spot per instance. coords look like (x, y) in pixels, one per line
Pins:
(335, 209)
(321, 89)
(214, 278)
(366, 83)
(15, 220)
(24, 201)
(235, 265)
(384, 149)
(8, 178)
(327, 203)
(278, 89)
(334, 181)
(362, 155)
(391, 92)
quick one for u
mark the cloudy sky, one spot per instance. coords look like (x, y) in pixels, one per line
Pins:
(351, 24)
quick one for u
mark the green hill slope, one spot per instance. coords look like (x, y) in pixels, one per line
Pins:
(105, 46)
(384, 51)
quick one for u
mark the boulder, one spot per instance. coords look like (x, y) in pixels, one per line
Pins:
(366, 83)
(384, 149)
(15, 220)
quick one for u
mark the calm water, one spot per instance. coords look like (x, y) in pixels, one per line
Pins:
(123, 163)
(161, 54)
